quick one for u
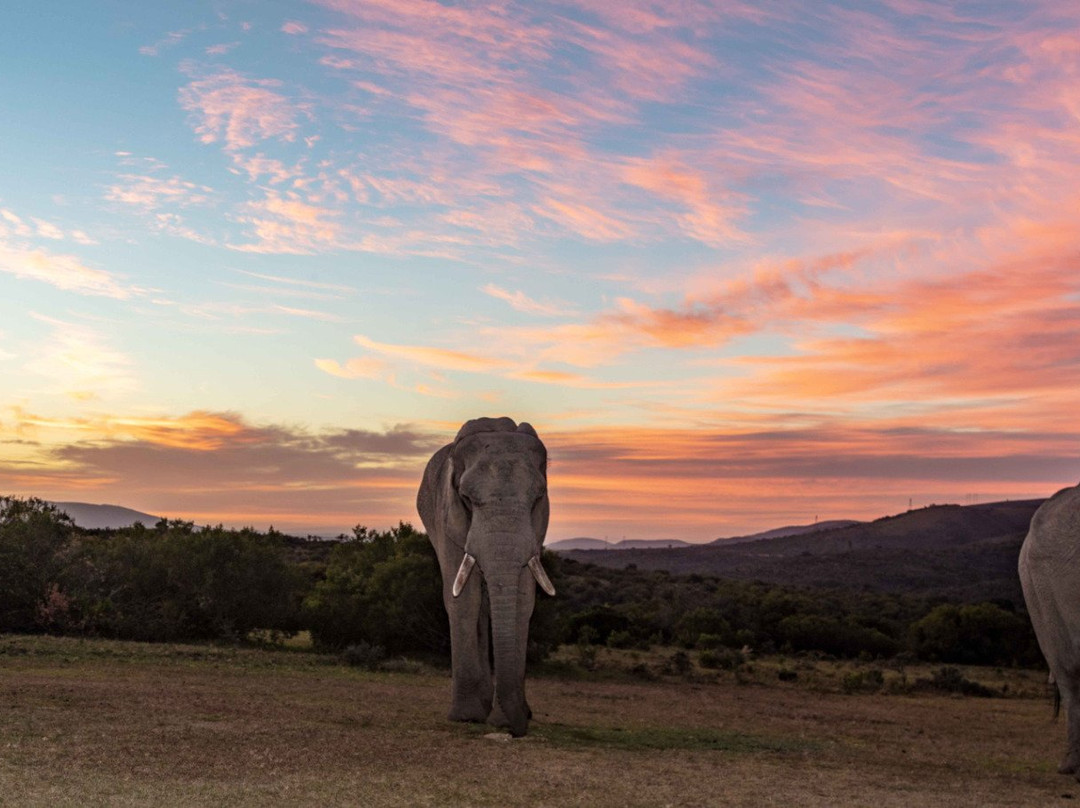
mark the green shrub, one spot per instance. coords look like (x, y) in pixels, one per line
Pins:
(813, 632)
(679, 664)
(702, 620)
(722, 659)
(972, 634)
(708, 642)
(951, 680)
(868, 681)
(34, 553)
(179, 583)
(363, 655)
(620, 639)
(384, 589)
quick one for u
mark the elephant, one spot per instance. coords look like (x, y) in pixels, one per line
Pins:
(484, 503)
(1049, 569)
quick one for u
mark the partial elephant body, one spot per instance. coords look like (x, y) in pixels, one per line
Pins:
(483, 501)
(1049, 570)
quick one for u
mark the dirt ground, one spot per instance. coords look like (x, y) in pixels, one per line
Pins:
(100, 723)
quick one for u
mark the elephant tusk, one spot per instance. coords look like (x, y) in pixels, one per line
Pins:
(541, 576)
(467, 563)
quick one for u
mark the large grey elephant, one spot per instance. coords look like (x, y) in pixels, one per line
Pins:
(484, 503)
(1049, 570)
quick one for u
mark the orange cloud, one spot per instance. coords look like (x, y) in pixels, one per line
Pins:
(440, 358)
(216, 467)
(519, 301)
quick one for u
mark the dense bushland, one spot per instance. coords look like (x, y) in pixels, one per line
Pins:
(382, 590)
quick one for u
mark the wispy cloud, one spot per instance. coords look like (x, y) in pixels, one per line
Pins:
(240, 111)
(286, 224)
(519, 301)
(81, 362)
(150, 193)
(64, 271)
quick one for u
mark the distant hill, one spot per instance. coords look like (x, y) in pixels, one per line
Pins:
(790, 530)
(98, 517)
(966, 552)
(583, 543)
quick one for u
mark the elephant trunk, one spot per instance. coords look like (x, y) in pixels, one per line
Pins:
(512, 594)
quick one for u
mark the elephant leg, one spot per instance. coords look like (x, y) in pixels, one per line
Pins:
(471, 688)
(1070, 695)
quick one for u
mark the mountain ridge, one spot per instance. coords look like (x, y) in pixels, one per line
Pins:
(966, 552)
(104, 517)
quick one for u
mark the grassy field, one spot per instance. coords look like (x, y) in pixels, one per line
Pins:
(87, 723)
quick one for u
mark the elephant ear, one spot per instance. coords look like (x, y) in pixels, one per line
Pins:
(540, 514)
(457, 517)
(542, 509)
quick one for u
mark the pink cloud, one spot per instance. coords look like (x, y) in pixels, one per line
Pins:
(149, 193)
(286, 224)
(239, 111)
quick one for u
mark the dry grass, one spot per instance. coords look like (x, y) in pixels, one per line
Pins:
(99, 723)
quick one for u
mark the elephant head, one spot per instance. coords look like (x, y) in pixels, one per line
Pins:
(484, 503)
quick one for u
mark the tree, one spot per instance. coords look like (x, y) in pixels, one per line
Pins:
(381, 588)
(973, 634)
(34, 536)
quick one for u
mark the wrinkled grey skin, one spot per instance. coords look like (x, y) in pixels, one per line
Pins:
(1049, 570)
(485, 495)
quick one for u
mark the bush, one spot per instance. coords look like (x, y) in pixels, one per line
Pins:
(709, 642)
(812, 632)
(723, 659)
(598, 623)
(951, 680)
(178, 583)
(383, 589)
(869, 681)
(702, 621)
(972, 634)
(679, 664)
(363, 655)
(34, 553)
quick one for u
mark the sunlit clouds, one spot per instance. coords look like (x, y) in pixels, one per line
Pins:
(740, 264)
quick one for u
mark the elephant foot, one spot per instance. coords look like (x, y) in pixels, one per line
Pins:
(516, 727)
(497, 718)
(1070, 764)
(470, 710)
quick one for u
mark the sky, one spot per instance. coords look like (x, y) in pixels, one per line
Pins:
(741, 264)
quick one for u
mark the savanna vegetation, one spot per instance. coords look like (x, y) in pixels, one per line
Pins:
(379, 593)
(647, 688)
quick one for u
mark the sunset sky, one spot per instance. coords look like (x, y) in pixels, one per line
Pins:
(741, 264)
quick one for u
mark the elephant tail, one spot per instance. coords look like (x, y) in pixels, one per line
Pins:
(1057, 701)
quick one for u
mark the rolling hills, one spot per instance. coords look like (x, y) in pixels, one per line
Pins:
(962, 552)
